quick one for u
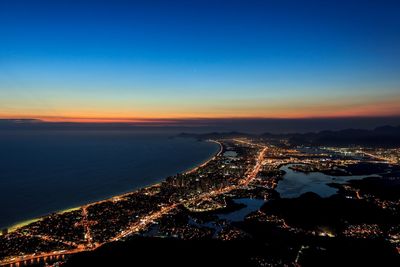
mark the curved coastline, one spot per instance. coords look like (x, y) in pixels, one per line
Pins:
(221, 148)
(24, 223)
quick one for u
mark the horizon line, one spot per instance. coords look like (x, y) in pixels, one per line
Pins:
(155, 120)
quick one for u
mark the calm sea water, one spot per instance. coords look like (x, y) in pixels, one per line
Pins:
(46, 171)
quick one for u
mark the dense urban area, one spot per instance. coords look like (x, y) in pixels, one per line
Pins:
(245, 173)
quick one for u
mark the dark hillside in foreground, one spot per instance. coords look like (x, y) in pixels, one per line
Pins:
(171, 252)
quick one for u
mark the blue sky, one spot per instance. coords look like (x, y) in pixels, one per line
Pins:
(168, 59)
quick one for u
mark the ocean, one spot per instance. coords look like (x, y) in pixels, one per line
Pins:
(47, 171)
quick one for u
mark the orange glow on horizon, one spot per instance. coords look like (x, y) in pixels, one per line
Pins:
(171, 112)
(334, 108)
(172, 121)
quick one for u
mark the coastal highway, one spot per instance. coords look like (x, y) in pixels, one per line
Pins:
(145, 220)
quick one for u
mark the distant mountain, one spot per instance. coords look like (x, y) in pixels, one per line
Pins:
(215, 135)
(15, 121)
(386, 136)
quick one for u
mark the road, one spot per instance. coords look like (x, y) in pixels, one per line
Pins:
(146, 220)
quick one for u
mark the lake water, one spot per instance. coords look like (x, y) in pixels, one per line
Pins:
(252, 204)
(296, 183)
(46, 171)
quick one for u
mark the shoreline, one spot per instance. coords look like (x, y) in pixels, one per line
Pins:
(26, 222)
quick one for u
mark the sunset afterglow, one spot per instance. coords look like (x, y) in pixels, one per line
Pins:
(156, 62)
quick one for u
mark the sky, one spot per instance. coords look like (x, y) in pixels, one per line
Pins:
(145, 61)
